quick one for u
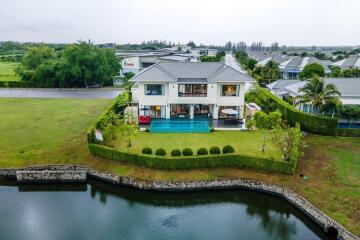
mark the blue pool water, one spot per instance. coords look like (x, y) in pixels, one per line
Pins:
(179, 125)
(348, 125)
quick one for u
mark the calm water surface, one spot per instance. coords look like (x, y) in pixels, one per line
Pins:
(98, 210)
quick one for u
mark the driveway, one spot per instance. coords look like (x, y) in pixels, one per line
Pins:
(231, 61)
(60, 93)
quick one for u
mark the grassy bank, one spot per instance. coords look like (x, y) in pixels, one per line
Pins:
(43, 131)
(7, 72)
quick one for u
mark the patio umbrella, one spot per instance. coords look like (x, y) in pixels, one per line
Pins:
(229, 111)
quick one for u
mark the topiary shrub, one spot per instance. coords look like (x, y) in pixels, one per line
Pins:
(214, 150)
(147, 150)
(175, 153)
(228, 149)
(187, 152)
(160, 152)
(202, 151)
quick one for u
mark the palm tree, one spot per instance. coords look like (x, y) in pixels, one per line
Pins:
(318, 94)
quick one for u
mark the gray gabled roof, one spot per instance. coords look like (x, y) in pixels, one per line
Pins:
(185, 71)
(348, 87)
(352, 61)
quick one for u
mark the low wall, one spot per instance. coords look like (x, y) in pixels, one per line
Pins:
(50, 176)
(307, 208)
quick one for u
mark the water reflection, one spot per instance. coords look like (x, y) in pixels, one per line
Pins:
(98, 210)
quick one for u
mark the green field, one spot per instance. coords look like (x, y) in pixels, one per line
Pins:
(45, 131)
(38, 131)
(7, 71)
(245, 142)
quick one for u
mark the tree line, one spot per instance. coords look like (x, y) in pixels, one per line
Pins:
(77, 65)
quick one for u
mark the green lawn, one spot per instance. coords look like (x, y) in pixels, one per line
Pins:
(38, 131)
(7, 71)
(244, 142)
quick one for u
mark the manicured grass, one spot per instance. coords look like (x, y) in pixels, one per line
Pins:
(7, 71)
(38, 131)
(245, 142)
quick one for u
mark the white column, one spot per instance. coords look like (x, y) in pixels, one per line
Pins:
(241, 112)
(191, 111)
(216, 112)
(168, 111)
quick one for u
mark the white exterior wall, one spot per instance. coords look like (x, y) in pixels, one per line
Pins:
(130, 64)
(213, 98)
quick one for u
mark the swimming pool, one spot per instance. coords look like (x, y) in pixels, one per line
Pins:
(348, 125)
(179, 125)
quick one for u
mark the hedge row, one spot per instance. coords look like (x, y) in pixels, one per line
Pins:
(310, 123)
(16, 84)
(116, 106)
(295, 149)
(348, 132)
(191, 162)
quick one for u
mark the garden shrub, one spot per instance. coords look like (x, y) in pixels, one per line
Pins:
(160, 152)
(147, 150)
(191, 162)
(215, 150)
(228, 149)
(176, 152)
(348, 132)
(187, 152)
(202, 151)
(310, 123)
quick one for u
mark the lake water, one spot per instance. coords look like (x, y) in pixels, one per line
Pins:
(99, 210)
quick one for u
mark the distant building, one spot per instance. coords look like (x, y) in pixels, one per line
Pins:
(292, 68)
(204, 51)
(352, 62)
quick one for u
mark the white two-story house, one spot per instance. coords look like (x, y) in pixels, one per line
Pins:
(190, 90)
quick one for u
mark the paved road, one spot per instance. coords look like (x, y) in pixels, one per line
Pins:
(231, 61)
(60, 93)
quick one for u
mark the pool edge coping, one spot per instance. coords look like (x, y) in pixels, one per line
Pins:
(288, 195)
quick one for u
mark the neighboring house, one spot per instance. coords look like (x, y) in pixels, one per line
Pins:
(135, 61)
(351, 62)
(204, 51)
(349, 89)
(189, 90)
(292, 68)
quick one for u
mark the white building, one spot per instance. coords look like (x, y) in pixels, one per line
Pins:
(204, 51)
(188, 90)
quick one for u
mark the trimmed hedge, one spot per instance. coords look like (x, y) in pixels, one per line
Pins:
(160, 152)
(102, 121)
(146, 150)
(310, 123)
(215, 150)
(187, 152)
(228, 149)
(348, 132)
(176, 153)
(191, 162)
(202, 151)
(16, 84)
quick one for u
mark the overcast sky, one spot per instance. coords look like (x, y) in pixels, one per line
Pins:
(290, 22)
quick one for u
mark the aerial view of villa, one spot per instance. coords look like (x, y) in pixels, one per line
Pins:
(196, 120)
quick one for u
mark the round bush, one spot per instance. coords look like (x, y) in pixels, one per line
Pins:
(160, 152)
(202, 151)
(228, 149)
(176, 153)
(147, 150)
(187, 152)
(214, 150)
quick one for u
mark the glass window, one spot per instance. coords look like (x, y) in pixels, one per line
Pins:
(230, 90)
(192, 90)
(154, 89)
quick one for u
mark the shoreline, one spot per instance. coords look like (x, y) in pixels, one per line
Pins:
(70, 173)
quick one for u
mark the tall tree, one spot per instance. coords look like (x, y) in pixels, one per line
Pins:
(317, 93)
(312, 69)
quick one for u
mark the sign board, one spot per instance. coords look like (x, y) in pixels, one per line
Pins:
(98, 135)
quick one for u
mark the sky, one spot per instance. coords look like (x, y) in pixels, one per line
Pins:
(289, 22)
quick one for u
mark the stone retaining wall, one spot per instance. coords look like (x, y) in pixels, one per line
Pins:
(50, 176)
(307, 208)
